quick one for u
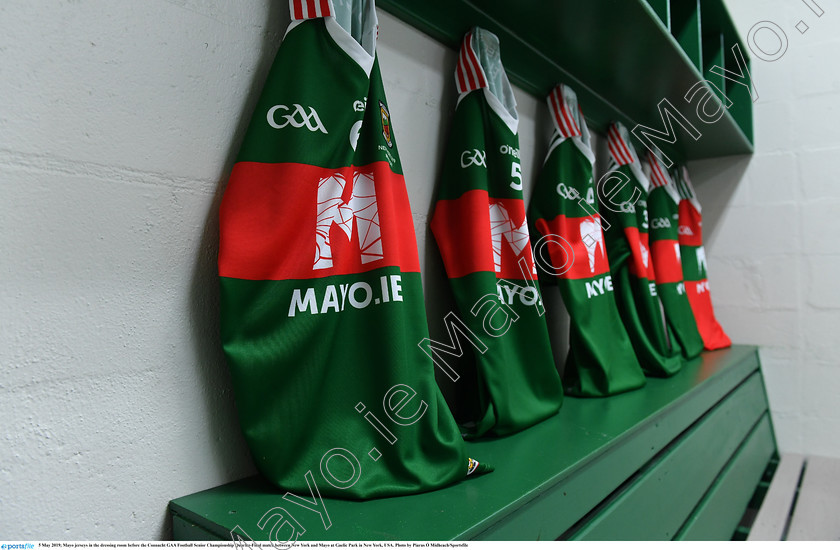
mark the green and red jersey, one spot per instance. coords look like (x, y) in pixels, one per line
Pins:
(694, 265)
(663, 209)
(567, 225)
(481, 229)
(623, 194)
(321, 305)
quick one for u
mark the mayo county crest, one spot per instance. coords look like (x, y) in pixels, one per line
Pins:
(386, 124)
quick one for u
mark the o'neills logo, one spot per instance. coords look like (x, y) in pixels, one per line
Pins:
(361, 209)
(503, 228)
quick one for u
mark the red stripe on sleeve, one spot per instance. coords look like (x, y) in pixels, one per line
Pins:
(479, 72)
(555, 111)
(656, 169)
(465, 64)
(624, 147)
(615, 148)
(459, 78)
(572, 126)
(614, 153)
(567, 113)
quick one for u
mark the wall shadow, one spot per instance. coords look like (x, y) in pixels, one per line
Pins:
(716, 182)
(230, 455)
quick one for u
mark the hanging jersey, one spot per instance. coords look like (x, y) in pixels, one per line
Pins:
(663, 209)
(480, 226)
(321, 302)
(567, 226)
(694, 265)
(623, 194)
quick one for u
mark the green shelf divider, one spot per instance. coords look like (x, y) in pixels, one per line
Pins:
(716, 20)
(662, 8)
(618, 55)
(685, 26)
(713, 55)
(741, 110)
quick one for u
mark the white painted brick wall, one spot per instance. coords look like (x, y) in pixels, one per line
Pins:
(819, 167)
(774, 252)
(119, 122)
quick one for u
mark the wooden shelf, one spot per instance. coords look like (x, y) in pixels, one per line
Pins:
(620, 56)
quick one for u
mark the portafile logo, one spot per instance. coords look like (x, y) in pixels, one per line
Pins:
(361, 210)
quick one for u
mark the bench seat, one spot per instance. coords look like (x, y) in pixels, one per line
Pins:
(677, 459)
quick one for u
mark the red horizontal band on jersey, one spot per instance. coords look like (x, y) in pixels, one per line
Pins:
(463, 230)
(701, 305)
(666, 261)
(639, 243)
(269, 219)
(575, 246)
(691, 224)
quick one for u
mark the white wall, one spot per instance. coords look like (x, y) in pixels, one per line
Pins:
(772, 221)
(119, 122)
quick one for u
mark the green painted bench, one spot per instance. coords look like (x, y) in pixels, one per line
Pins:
(679, 459)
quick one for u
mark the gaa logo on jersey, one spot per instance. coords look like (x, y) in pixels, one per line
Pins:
(472, 157)
(386, 124)
(660, 223)
(298, 118)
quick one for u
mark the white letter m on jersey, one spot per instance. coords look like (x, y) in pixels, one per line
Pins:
(502, 227)
(361, 209)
